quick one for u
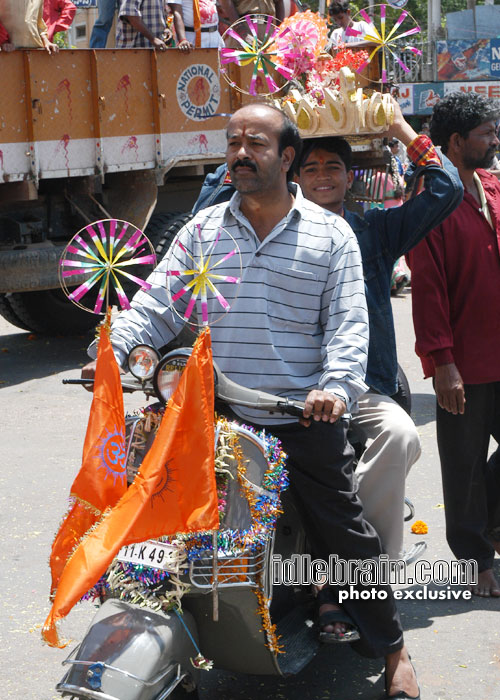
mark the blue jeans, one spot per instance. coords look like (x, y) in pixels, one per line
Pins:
(103, 23)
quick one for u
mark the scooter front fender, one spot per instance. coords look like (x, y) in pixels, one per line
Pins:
(131, 653)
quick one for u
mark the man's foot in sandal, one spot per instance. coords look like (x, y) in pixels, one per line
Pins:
(334, 624)
(487, 586)
(400, 677)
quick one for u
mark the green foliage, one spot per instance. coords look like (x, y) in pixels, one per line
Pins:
(61, 39)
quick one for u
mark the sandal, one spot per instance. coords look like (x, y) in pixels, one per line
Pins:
(330, 617)
(401, 694)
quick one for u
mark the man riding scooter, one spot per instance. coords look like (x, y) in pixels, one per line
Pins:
(299, 328)
(325, 177)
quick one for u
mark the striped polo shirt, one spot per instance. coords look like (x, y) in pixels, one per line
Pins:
(298, 319)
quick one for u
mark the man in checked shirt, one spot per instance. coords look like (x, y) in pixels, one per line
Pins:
(298, 327)
(142, 24)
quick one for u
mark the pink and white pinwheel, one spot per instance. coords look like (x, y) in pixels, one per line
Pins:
(194, 277)
(102, 258)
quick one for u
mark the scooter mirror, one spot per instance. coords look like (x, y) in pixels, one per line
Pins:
(142, 362)
(169, 372)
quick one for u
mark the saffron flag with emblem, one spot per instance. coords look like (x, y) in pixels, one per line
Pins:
(101, 481)
(174, 490)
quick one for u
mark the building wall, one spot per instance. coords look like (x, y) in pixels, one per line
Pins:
(481, 23)
(81, 29)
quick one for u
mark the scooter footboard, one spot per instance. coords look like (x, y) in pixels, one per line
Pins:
(130, 653)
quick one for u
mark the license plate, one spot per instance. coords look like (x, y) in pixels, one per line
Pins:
(158, 555)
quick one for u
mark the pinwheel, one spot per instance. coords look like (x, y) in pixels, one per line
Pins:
(387, 40)
(102, 263)
(203, 271)
(253, 40)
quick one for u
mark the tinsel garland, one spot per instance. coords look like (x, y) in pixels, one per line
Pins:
(264, 508)
(142, 585)
(267, 624)
(161, 590)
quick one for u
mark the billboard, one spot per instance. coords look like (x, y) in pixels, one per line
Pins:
(488, 88)
(405, 98)
(466, 60)
(426, 96)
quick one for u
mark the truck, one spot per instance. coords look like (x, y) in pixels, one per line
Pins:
(97, 134)
(106, 134)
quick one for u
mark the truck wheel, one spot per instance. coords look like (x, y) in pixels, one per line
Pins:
(50, 312)
(7, 312)
(170, 233)
(158, 225)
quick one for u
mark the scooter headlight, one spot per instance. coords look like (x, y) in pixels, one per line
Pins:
(142, 362)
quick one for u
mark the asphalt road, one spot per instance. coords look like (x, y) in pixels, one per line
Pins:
(455, 644)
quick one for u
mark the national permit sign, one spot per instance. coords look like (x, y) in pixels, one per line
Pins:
(198, 91)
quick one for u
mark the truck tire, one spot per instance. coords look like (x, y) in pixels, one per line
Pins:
(158, 225)
(170, 233)
(50, 312)
(7, 312)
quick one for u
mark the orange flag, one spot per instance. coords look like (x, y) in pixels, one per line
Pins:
(174, 491)
(102, 479)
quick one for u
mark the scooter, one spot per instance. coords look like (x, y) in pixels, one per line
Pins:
(231, 611)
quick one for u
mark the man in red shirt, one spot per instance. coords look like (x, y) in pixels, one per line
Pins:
(456, 314)
(58, 15)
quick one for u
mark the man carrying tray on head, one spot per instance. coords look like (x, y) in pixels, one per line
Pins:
(384, 235)
(297, 327)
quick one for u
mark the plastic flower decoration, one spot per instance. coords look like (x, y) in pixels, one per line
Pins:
(309, 30)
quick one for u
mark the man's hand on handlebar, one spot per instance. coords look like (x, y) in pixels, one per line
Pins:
(322, 406)
(88, 372)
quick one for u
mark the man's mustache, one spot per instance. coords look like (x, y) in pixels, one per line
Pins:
(244, 164)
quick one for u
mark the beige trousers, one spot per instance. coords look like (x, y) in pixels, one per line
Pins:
(392, 447)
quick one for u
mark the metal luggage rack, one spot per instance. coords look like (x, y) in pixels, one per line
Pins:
(232, 572)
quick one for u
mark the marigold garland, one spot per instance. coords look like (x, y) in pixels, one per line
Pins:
(419, 528)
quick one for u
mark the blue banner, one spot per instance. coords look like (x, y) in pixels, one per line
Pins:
(84, 3)
(495, 57)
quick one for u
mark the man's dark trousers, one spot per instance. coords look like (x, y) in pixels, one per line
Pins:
(471, 482)
(320, 464)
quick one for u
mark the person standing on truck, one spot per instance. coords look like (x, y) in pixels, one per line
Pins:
(23, 20)
(58, 15)
(184, 24)
(340, 13)
(456, 303)
(103, 23)
(234, 9)
(299, 327)
(142, 24)
(5, 42)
